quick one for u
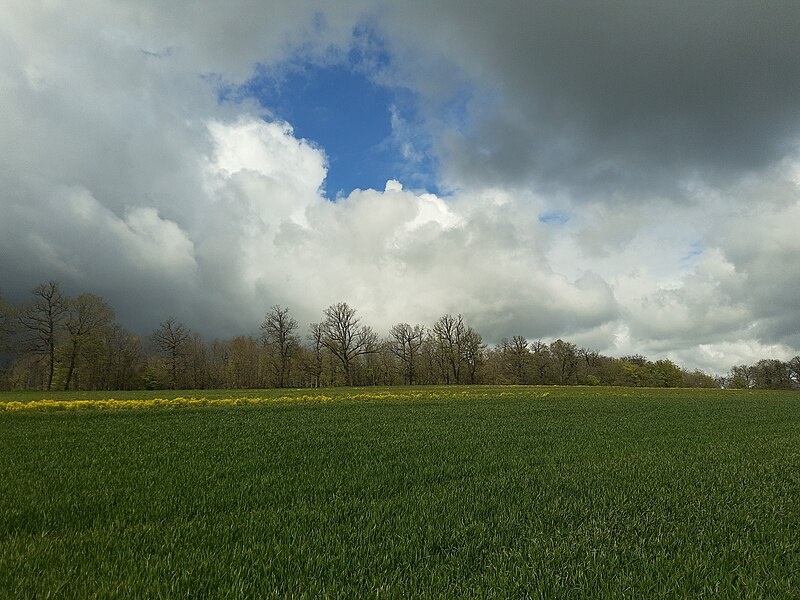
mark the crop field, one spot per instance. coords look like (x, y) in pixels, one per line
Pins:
(508, 492)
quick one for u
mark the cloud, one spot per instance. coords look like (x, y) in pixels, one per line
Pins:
(761, 241)
(395, 254)
(703, 307)
(624, 175)
(605, 97)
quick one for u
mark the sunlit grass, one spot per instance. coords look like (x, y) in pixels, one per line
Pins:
(433, 492)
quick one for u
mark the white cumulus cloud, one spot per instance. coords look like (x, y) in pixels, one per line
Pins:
(601, 184)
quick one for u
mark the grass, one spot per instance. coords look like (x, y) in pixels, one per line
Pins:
(423, 492)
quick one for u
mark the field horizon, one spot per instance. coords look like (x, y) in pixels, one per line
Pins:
(342, 392)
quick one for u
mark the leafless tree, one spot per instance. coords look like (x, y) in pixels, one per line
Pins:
(87, 316)
(316, 335)
(279, 330)
(472, 350)
(771, 374)
(448, 334)
(7, 324)
(565, 359)
(241, 362)
(794, 371)
(540, 354)
(172, 339)
(346, 338)
(197, 364)
(124, 359)
(519, 358)
(42, 323)
(405, 342)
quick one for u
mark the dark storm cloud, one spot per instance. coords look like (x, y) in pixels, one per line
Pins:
(632, 95)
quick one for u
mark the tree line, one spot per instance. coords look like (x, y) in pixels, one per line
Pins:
(59, 342)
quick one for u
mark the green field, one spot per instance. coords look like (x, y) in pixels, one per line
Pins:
(408, 492)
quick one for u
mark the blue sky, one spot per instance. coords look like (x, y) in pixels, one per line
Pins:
(342, 110)
(625, 179)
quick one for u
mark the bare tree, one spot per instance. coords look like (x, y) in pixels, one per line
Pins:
(7, 324)
(405, 343)
(472, 351)
(519, 358)
(448, 334)
(241, 362)
(346, 338)
(279, 330)
(197, 365)
(87, 316)
(540, 354)
(794, 371)
(124, 359)
(740, 377)
(565, 359)
(771, 374)
(590, 363)
(42, 323)
(172, 339)
(316, 335)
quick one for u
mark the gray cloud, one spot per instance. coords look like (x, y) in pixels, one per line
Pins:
(607, 96)
(661, 137)
(762, 244)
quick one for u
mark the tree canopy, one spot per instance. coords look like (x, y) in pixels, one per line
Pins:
(59, 342)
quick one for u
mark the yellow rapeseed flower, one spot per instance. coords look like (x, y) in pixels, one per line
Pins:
(179, 402)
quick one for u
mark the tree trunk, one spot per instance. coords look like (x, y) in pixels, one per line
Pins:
(71, 369)
(52, 365)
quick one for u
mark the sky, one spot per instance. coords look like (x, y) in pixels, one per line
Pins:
(624, 175)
